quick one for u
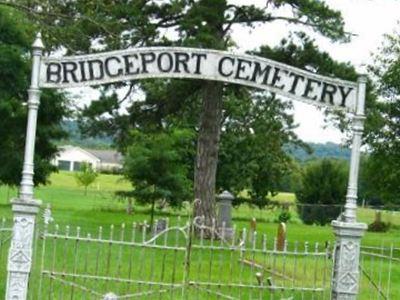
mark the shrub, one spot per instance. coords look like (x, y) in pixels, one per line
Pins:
(378, 225)
(284, 216)
(86, 176)
(155, 164)
(321, 191)
(318, 214)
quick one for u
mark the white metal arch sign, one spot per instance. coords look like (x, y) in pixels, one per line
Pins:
(168, 62)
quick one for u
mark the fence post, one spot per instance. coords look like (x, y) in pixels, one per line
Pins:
(25, 208)
(348, 231)
(225, 214)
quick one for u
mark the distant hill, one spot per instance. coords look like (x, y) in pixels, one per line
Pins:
(327, 150)
(76, 138)
(330, 150)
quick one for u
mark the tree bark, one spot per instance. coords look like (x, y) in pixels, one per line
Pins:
(207, 151)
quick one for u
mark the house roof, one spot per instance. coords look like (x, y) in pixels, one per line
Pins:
(107, 156)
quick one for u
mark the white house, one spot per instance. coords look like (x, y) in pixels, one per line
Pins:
(70, 158)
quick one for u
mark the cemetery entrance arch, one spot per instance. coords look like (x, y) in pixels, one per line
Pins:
(205, 64)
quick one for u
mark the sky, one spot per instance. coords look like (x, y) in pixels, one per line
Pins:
(368, 20)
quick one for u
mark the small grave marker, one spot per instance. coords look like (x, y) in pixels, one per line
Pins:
(225, 214)
(47, 217)
(253, 228)
(161, 225)
(281, 237)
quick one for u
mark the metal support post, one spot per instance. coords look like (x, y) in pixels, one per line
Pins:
(25, 208)
(348, 232)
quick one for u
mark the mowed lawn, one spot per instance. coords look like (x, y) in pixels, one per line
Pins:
(100, 207)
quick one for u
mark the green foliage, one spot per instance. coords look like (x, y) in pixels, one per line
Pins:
(368, 189)
(384, 134)
(252, 156)
(14, 82)
(155, 164)
(86, 176)
(123, 24)
(322, 189)
(284, 216)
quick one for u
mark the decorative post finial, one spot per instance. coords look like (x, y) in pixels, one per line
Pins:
(363, 78)
(38, 43)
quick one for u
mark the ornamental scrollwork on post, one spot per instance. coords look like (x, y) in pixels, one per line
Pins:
(20, 250)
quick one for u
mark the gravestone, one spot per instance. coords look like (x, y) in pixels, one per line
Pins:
(253, 228)
(160, 226)
(378, 217)
(281, 237)
(47, 216)
(253, 224)
(225, 215)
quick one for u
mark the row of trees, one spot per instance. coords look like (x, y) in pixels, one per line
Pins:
(203, 136)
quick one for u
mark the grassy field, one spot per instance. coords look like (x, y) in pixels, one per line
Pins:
(100, 207)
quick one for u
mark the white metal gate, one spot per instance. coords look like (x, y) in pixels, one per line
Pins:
(138, 262)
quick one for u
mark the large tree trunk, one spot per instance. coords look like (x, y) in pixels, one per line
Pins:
(207, 151)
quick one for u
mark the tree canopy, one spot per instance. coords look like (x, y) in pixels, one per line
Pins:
(15, 41)
(156, 164)
(203, 107)
(383, 167)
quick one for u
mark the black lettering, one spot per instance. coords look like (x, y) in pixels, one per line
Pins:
(259, 72)
(69, 68)
(309, 88)
(220, 66)
(107, 66)
(147, 58)
(91, 64)
(181, 58)
(276, 78)
(82, 69)
(54, 70)
(328, 89)
(129, 65)
(241, 67)
(160, 62)
(295, 82)
(198, 57)
(344, 95)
